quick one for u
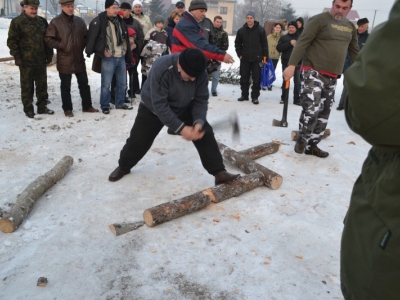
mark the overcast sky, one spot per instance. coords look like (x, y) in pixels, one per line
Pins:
(365, 8)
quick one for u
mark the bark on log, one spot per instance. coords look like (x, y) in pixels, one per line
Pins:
(261, 150)
(121, 228)
(2, 59)
(171, 210)
(25, 201)
(295, 134)
(244, 163)
(174, 209)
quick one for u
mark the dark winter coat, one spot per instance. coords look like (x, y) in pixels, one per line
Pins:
(96, 39)
(285, 46)
(251, 43)
(139, 40)
(370, 261)
(167, 95)
(169, 30)
(188, 34)
(26, 40)
(208, 30)
(362, 39)
(67, 35)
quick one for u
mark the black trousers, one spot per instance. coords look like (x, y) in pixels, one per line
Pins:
(84, 90)
(248, 68)
(133, 84)
(146, 128)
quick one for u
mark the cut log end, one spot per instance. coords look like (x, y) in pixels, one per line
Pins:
(6, 225)
(42, 281)
(148, 218)
(276, 182)
(122, 228)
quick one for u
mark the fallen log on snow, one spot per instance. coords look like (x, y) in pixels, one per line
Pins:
(121, 228)
(261, 150)
(25, 201)
(177, 208)
(295, 134)
(247, 165)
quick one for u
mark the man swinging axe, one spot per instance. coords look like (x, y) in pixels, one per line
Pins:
(175, 95)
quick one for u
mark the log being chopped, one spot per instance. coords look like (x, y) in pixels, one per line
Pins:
(247, 165)
(25, 201)
(261, 150)
(174, 209)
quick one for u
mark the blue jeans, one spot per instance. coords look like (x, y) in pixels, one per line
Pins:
(215, 80)
(109, 66)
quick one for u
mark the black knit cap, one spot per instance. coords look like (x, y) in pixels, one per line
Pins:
(292, 23)
(193, 62)
(197, 4)
(111, 3)
(362, 21)
(125, 5)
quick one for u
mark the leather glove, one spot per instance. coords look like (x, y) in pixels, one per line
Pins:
(18, 61)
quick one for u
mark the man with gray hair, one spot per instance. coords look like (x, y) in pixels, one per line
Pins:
(67, 34)
(323, 46)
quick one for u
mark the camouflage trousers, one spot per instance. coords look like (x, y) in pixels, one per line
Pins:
(317, 96)
(31, 76)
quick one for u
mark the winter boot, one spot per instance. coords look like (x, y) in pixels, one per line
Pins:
(225, 177)
(300, 146)
(314, 150)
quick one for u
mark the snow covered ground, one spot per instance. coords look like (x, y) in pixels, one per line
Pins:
(281, 244)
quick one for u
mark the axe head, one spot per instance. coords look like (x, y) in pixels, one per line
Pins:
(277, 123)
(232, 122)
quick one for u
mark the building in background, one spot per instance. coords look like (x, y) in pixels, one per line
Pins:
(225, 9)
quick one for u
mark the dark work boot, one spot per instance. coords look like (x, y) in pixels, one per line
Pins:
(117, 174)
(314, 150)
(243, 98)
(225, 177)
(300, 146)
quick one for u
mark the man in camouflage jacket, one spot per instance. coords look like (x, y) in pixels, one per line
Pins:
(26, 43)
(222, 42)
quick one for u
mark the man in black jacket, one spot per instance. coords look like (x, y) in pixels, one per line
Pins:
(174, 95)
(251, 47)
(285, 46)
(108, 38)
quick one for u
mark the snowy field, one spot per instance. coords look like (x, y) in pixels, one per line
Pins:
(281, 244)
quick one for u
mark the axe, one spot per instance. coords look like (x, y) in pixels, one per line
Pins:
(283, 122)
(232, 121)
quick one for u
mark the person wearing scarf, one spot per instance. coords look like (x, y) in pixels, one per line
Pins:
(108, 39)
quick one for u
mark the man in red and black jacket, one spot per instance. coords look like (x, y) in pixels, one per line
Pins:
(188, 34)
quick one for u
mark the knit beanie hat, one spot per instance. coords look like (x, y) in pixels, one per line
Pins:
(137, 2)
(292, 23)
(198, 4)
(159, 19)
(111, 3)
(193, 62)
(131, 31)
(251, 13)
(362, 21)
(125, 5)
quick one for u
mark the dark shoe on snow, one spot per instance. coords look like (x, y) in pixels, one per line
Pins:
(30, 114)
(68, 113)
(225, 177)
(106, 111)
(243, 98)
(297, 103)
(214, 94)
(117, 174)
(340, 108)
(90, 110)
(299, 147)
(314, 150)
(126, 107)
(46, 111)
(255, 101)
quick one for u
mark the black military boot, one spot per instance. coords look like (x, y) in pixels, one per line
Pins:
(243, 98)
(314, 150)
(225, 177)
(300, 146)
(117, 174)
